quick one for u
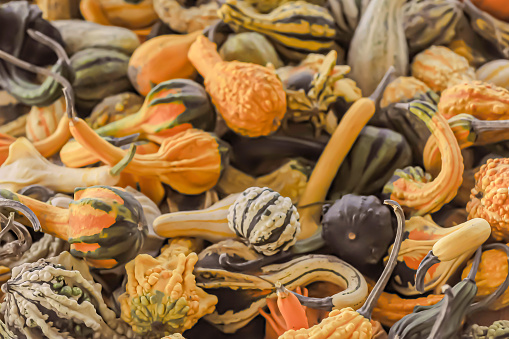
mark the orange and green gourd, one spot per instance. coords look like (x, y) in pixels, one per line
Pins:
(249, 97)
(105, 225)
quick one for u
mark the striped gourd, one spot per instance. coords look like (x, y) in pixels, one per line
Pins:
(43, 121)
(430, 22)
(265, 219)
(347, 14)
(296, 28)
(495, 72)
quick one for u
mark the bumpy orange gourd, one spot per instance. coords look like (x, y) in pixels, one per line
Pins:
(249, 97)
(159, 59)
(480, 99)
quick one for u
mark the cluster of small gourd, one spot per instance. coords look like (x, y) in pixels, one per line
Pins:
(254, 168)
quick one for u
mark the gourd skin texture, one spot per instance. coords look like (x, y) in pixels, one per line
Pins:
(495, 72)
(184, 19)
(403, 89)
(250, 47)
(381, 30)
(43, 121)
(249, 97)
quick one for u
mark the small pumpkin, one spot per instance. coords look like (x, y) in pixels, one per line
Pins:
(230, 84)
(104, 225)
(495, 72)
(440, 68)
(250, 47)
(161, 59)
(297, 28)
(43, 121)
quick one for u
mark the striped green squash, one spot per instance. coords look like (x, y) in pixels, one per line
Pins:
(296, 28)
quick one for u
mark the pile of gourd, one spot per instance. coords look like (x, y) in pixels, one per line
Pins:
(254, 169)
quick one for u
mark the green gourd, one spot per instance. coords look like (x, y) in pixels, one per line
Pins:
(250, 47)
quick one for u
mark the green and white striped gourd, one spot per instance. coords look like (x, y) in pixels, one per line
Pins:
(378, 43)
(296, 28)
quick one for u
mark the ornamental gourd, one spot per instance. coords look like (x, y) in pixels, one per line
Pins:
(495, 72)
(182, 17)
(43, 121)
(104, 225)
(249, 97)
(250, 47)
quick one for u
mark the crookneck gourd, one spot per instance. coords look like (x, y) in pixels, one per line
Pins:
(479, 99)
(380, 28)
(488, 198)
(249, 97)
(420, 195)
(440, 68)
(422, 235)
(161, 294)
(58, 298)
(297, 28)
(104, 225)
(242, 293)
(344, 322)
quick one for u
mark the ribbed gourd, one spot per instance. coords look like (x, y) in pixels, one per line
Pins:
(296, 28)
(495, 72)
(57, 298)
(347, 15)
(104, 225)
(266, 220)
(43, 121)
(380, 30)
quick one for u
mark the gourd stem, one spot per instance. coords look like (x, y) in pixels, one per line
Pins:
(119, 167)
(47, 41)
(500, 290)
(429, 260)
(17, 247)
(25, 210)
(368, 306)
(475, 265)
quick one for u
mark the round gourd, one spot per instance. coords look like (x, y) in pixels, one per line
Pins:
(495, 72)
(250, 47)
(265, 220)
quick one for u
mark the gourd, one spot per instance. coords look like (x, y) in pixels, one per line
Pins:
(160, 59)
(267, 6)
(80, 34)
(431, 22)
(380, 28)
(425, 197)
(347, 14)
(494, 8)
(114, 108)
(297, 28)
(249, 290)
(137, 16)
(422, 235)
(358, 229)
(268, 222)
(495, 72)
(187, 19)
(57, 296)
(404, 89)
(488, 198)
(26, 166)
(43, 121)
(104, 225)
(498, 329)
(250, 47)
(440, 68)
(246, 111)
(488, 26)
(374, 156)
(289, 180)
(99, 72)
(27, 23)
(161, 295)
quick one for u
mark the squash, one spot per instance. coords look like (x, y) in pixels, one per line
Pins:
(165, 289)
(268, 222)
(49, 297)
(381, 29)
(431, 22)
(423, 198)
(104, 225)
(347, 14)
(404, 89)
(495, 72)
(267, 6)
(250, 47)
(184, 18)
(43, 121)
(297, 28)
(241, 294)
(114, 108)
(160, 59)
(440, 68)
(479, 99)
(246, 111)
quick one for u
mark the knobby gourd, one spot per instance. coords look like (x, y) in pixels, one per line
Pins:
(425, 197)
(249, 97)
(104, 225)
